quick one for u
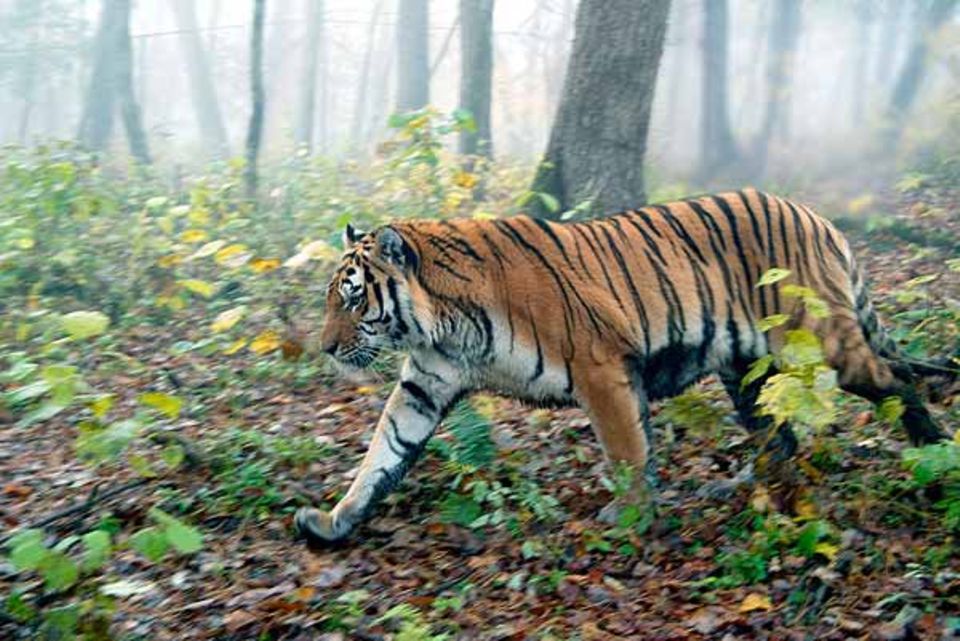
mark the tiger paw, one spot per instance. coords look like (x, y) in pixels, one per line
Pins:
(319, 528)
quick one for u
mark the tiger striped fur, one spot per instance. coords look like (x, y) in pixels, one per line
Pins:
(610, 314)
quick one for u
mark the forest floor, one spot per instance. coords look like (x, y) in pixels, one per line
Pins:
(856, 551)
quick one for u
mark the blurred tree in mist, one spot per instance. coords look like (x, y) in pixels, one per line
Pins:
(413, 55)
(111, 84)
(599, 136)
(314, 64)
(476, 73)
(934, 14)
(255, 128)
(717, 146)
(202, 89)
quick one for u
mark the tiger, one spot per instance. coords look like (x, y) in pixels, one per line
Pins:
(610, 314)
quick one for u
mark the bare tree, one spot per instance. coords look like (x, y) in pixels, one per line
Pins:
(914, 68)
(255, 129)
(476, 73)
(413, 51)
(360, 103)
(111, 84)
(307, 115)
(717, 146)
(202, 90)
(599, 135)
(782, 47)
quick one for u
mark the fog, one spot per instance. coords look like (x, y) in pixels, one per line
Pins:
(838, 87)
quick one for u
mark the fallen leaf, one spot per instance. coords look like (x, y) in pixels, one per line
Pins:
(238, 619)
(755, 601)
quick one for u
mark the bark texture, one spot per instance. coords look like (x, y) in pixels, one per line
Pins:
(717, 145)
(476, 73)
(413, 51)
(255, 129)
(308, 112)
(599, 135)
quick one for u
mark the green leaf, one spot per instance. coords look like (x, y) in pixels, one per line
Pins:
(549, 201)
(44, 412)
(59, 571)
(17, 607)
(81, 325)
(25, 536)
(200, 287)
(96, 550)
(758, 369)
(62, 621)
(100, 445)
(27, 393)
(29, 554)
(169, 405)
(141, 465)
(774, 320)
(150, 542)
(172, 455)
(459, 510)
(184, 538)
(772, 275)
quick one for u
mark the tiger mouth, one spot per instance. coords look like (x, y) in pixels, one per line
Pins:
(359, 357)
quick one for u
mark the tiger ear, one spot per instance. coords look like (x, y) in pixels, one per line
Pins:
(351, 235)
(390, 246)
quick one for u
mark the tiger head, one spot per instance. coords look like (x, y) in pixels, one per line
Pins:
(373, 301)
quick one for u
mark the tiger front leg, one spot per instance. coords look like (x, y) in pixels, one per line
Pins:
(413, 411)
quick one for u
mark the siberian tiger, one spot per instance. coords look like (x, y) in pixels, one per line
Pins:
(610, 314)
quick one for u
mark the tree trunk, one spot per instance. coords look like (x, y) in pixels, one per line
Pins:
(111, 83)
(444, 47)
(717, 147)
(202, 89)
(413, 51)
(476, 74)
(784, 34)
(914, 68)
(599, 135)
(255, 128)
(360, 103)
(308, 83)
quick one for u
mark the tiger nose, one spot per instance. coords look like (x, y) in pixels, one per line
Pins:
(329, 347)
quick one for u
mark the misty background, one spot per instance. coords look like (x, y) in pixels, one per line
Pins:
(843, 64)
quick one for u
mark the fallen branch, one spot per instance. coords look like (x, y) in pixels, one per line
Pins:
(81, 508)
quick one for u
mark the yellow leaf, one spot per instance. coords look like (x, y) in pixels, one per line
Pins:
(209, 249)
(165, 224)
(199, 216)
(193, 236)
(201, 287)
(828, 550)
(233, 256)
(754, 602)
(366, 389)
(235, 346)
(169, 260)
(806, 510)
(484, 215)
(25, 243)
(465, 179)
(857, 205)
(265, 342)
(261, 265)
(101, 405)
(226, 320)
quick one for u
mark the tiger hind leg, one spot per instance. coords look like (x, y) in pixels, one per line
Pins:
(775, 446)
(864, 372)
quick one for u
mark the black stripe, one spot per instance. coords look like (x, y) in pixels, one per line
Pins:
(634, 294)
(709, 222)
(397, 311)
(681, 231)
(737, 241)
(651, 243)
(423, 371)
(450, 270)
(545, 228)
(420, 395)
(754, 222)
(538, 370)
(771, 250)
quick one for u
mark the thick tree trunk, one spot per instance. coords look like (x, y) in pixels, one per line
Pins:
(784, 34)
(717, 146)
(255, 128)
(202, 89)
(914, 68)
(599, 135)
(111, 84)
(476, 73)
(413, 51)
(307, 114)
